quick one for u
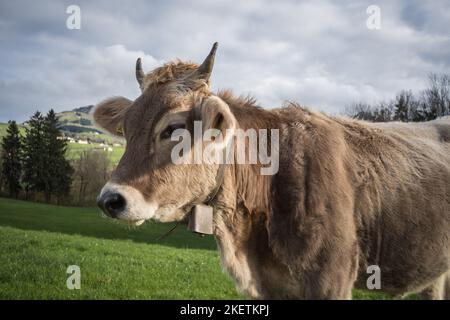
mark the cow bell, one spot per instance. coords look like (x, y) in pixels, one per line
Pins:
(201, 219)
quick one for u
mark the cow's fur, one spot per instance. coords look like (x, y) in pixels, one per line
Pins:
(348, 194)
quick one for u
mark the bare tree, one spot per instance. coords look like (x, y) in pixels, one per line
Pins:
(91, 173)
(359, 110)
(437, 95)
(428, 104)
(384, 112)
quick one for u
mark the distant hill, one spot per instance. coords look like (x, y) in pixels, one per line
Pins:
(86, 109)
(79, 124)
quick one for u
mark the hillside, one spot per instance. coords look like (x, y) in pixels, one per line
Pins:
(78, 127)
(4, 127)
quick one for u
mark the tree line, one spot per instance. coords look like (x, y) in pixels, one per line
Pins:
(36, 162)
(36, 166)
(431, 103)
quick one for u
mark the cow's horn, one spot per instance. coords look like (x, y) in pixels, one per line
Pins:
(140, 74)
(205, 69)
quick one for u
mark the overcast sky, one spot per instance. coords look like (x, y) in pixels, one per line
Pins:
(319, 53)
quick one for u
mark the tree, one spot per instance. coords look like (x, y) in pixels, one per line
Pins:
(418, 110)
(362, 111)
(1, 166)
(383, 112)
(58, 172)
(437, 96)
(428, 104)
(91, 173)
(402, 106)
(11, 159)
(359, 110)
(35, 155)
(46, 169)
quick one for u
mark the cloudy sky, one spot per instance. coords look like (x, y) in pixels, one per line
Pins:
(319, 53)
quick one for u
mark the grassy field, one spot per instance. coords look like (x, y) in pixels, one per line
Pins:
(74, 150)
(4, 128)
(38, 242)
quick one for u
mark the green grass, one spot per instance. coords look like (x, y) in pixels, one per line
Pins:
(74, 150)
(38, 243)
(4, 128)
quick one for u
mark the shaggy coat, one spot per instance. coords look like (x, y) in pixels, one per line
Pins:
(348, 194)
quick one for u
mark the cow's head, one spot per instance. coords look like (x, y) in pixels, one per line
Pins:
(147, 183)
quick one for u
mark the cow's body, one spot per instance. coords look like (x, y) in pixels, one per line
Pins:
(349, 194)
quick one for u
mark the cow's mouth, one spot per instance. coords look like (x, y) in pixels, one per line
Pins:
(136, 223)
(163, 214)
(170, 214)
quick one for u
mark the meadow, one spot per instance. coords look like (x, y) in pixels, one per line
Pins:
(74, 151)
(4, 128)
(38, 242)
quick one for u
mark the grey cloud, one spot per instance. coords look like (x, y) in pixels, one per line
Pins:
(319, 53)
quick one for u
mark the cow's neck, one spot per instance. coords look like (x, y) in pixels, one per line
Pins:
(249, 187)
(239, 227)
(242, 206)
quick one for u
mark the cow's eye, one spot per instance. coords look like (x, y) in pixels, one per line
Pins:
(168, 131)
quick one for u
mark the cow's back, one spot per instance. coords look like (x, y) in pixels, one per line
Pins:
(400, 179)
(435, 132)
(411, 228)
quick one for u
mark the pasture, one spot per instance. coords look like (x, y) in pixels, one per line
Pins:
(75, 149)
(38, 242)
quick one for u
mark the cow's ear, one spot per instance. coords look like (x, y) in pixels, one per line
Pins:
(109, 114)
(216, 115)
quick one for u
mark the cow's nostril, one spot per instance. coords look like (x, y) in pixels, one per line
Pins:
(112, 204)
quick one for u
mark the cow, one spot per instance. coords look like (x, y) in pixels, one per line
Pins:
(348, 194)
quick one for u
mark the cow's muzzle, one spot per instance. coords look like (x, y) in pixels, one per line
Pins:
(112, 203)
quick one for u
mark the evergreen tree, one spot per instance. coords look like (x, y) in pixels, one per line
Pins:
(402, 106)
(11, 159)
(58, 172)
(35, 155)
(1, 166)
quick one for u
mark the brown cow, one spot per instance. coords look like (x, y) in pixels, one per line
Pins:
(348, 194)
